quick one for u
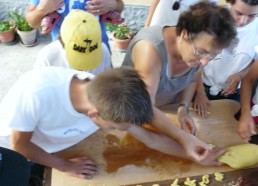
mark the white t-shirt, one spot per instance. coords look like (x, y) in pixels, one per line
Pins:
(229, 62)
(53, 54)
(165, 15)
(40, 102)
(256, 52)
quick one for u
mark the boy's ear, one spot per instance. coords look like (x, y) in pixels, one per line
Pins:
(93, 113)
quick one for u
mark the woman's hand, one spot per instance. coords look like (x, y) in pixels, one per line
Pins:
(185, 120)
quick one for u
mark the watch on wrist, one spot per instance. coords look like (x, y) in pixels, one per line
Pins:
(186, 106)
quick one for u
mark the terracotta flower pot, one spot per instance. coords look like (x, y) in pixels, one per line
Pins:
(7, 36)
(121, 44)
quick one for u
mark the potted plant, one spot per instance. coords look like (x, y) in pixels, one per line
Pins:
(27, 34)
(7, 33)
(121, 36)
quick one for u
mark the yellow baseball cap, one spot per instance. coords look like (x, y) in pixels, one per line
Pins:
(81, 35)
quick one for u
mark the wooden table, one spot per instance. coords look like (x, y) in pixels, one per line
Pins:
(124, 160)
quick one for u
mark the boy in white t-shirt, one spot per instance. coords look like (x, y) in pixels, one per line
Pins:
(79, 47)
(51, 109)
(222, 76)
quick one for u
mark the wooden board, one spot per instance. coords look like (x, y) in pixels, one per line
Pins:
(124, 160)
(229, 179)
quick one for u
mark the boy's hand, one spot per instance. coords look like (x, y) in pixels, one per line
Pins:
(201, 104)
(99, 7)
(211, 158)
(232, 84)
(195, 148)
(81, 167)
(246, 127)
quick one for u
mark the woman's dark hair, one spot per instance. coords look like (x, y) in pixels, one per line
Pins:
(249, 2)
(212, 19)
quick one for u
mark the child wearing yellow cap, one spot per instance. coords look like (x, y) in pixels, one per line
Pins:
(80, 46)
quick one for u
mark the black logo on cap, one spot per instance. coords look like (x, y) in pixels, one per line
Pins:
(89, 46)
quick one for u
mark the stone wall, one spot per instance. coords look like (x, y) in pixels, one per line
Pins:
(135, 15)
(19, 6)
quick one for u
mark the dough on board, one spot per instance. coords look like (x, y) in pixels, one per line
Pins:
(236, 156)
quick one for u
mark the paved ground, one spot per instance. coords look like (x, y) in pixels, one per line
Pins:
(16, 59)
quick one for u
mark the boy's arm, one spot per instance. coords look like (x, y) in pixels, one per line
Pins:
(246, 125)
(168, 146)
(191, 144)
(152, 9)
(82, 167)
(36, 13)
(119, 6)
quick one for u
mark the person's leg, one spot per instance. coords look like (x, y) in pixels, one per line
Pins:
(14, 168)
(235, 96)
(37, 170)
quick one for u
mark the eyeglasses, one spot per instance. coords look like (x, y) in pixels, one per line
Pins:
(199, 53)
(176, 5)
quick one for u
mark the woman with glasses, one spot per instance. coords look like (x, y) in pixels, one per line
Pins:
(222, 76)
(169, 59)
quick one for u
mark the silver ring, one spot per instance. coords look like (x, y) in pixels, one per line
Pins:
(98, 11)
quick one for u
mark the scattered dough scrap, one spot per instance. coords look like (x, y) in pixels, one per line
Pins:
(218, 176)
(236, 155)
(202, 184)
(205, 179)
(175, 183)
(155, 185)
(189, 182)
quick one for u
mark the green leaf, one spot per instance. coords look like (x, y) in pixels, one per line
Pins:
(5, 26)
(20, 21)
(121, 32)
